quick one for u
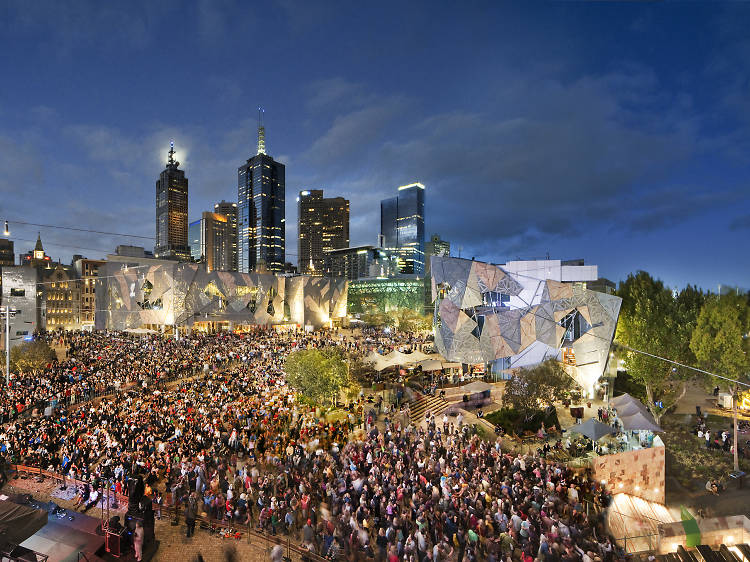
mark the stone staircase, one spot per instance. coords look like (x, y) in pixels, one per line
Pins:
(424, 403)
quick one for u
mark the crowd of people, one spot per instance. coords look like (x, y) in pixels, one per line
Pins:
(229, 440)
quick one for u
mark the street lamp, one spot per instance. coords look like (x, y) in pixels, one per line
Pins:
(7, 230)
(8, 312)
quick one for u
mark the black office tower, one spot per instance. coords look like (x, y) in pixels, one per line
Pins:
(172, 212)
(260, 212)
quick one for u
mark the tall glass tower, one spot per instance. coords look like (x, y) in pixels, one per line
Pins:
(172, 212)
(402, 227)
(261, 211)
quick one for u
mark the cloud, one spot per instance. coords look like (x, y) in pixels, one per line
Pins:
(353, 133)
(65, 26)
(544, 158)
(332, 92)
(740, 223)
(20, 165)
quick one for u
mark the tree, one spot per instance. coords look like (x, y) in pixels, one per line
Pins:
(721, 344)
(318, 374)
(537, 387)
(719, 340)
(404, 319)
(31, 356)
(654, 320)
(408, 320)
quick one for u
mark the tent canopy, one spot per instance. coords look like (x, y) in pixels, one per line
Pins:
(476, 386)
(377, 361)
(625, 400)
(396, 357)
(639, 420)
(630, 408)
(593, 429)
(19, 522)
(431, 365)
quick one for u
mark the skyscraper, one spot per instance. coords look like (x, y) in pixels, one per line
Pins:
(260, 211)
(229, 210)
(172, 212)
(210, 242)
(402, 227)
(435, 247)
(323, 225)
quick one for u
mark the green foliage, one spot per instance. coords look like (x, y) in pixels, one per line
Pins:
(31, 356)
(538, 387)
(653, 320)
(403, 319)
(624, 383)
(318, 374)
(513, 420)
(720, 341)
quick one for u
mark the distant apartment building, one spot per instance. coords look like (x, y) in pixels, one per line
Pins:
(7, 256)
(361, 262)
(229, 210)
(435, 247)
(323, 226)
(87, 272)
(61, 290)
(211, 242)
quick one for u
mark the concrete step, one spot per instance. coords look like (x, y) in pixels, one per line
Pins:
(417, 408)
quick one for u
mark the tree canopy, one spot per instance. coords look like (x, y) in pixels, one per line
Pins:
(655, 320)
(404, 319)
(538, 387)
(31, 356)
(318, 374)
(720, 339)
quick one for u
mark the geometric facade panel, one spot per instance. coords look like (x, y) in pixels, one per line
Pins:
(164, 293)
(480, 316)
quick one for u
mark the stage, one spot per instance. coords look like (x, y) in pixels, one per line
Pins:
(62, 539)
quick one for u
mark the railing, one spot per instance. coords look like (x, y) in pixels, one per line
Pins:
(173, 511)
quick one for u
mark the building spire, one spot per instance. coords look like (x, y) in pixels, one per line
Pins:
(261, 132)
(171, 161)
(38, 247)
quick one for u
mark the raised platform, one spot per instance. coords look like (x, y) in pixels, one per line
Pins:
(635, 522)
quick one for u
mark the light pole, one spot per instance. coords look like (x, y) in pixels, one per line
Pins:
(7, 311)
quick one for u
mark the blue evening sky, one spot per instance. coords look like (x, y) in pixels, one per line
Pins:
(616, 132)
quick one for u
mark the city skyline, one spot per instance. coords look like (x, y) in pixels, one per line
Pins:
(613, 139)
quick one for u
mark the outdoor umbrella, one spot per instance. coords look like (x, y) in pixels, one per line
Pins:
(639, 420)
(593, 429)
